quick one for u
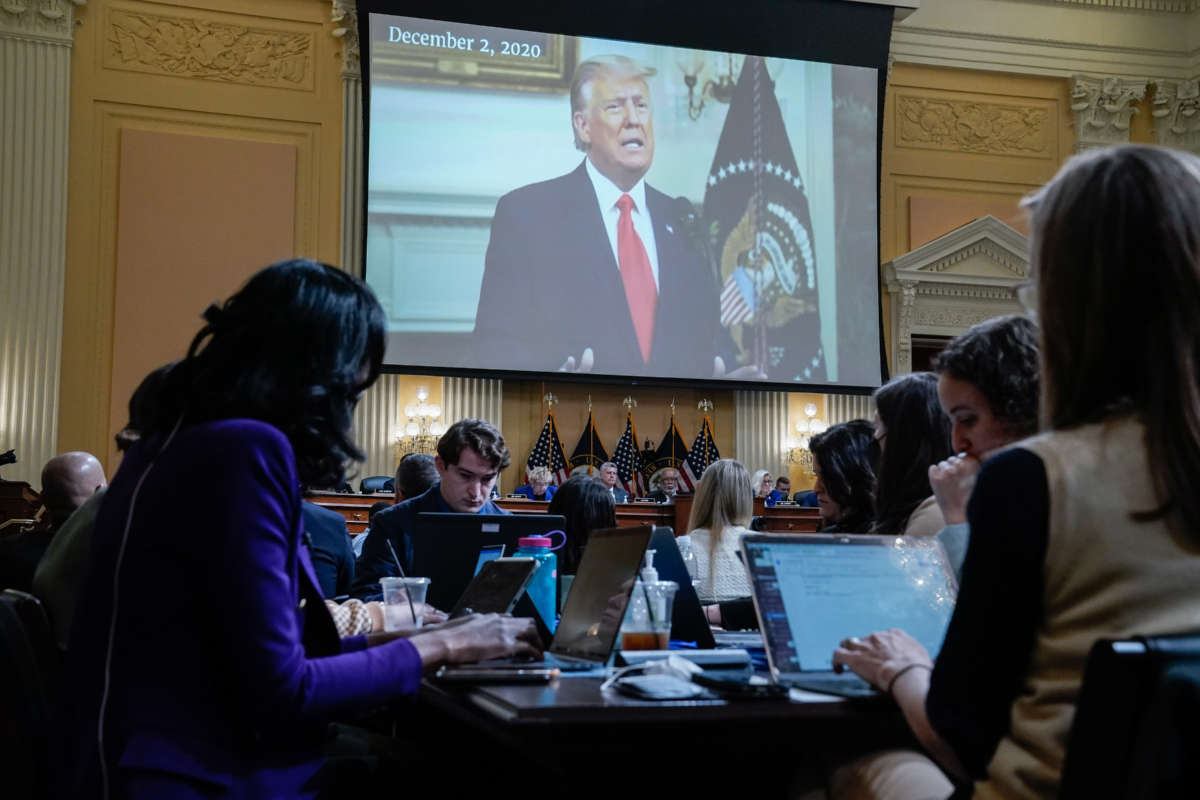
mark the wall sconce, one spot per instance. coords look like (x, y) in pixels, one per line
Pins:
(720, 90)
(797, 447)
(421, 432)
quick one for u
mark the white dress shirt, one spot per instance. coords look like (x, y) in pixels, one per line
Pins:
(607, 195)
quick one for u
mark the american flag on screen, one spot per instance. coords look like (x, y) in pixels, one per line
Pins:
(737, 298)
(548, 452)
(703, 453)
(628, 459)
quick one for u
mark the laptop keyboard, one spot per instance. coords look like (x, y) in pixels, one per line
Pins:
(844, 685)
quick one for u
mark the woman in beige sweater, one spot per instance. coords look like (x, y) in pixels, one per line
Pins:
(1089, 530)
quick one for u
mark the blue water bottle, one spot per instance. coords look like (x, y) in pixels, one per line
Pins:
(543, 588)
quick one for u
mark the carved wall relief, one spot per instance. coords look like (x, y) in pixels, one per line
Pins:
(1177, 114)
(1103, 108)
(970, 126)
(208, 49)
(49, 19)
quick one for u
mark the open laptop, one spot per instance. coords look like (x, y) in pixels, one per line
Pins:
(446, 546)
(595, 608)
(811, 591)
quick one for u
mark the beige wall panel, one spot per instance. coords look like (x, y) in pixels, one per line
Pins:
(976, 140)
(178, 251)
(243, 71)
(524, 414)
(929, 216)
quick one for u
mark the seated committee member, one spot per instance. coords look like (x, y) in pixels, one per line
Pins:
(720, 513)
(608, 477)
(470, 456)
(913, 434)
(762, 484)
(587, 505)
(203, 661)
(988, 386)
(782, 490)
(602, 236)
(668, 485)
(539, 487)
(844, 458)
(68, 481)
(1104, 541)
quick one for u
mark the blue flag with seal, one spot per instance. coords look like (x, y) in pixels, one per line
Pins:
(757, 215)
(590, 452)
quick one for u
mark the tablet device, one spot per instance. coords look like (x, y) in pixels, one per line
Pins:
(489, 552)
(497, 587)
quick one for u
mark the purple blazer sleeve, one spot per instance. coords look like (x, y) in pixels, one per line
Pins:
(260, 605)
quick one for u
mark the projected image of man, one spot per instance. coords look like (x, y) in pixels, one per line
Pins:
(599, 245)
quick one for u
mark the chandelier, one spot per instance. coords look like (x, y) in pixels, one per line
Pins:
(797, 446)
(423, 428)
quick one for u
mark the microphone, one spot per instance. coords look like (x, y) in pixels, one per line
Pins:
(691, 225)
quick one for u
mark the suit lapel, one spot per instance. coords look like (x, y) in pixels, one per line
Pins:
(670, 260)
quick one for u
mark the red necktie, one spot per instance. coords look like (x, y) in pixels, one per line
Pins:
(640, 290)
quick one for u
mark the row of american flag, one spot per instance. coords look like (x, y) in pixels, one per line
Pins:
(634, 465)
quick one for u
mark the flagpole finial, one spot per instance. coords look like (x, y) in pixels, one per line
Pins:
(672, 406)
(550, 399)
(589, 404)
(629, 402)
(705, 406)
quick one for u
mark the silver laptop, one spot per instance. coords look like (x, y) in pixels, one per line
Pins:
(595, 607)
(811, 591)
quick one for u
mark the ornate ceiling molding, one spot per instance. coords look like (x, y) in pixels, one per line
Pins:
(1141, 38)
(1162, 6)
(45, 20)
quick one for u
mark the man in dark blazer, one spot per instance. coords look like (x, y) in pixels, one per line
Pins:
(609, 477)
(599, 244)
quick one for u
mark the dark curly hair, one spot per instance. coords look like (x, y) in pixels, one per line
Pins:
(588, 505)
(295, 347)
(1000, 358)
(917, 436)
(846, 455)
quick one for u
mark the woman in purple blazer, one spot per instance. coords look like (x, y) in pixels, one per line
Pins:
(202, 660)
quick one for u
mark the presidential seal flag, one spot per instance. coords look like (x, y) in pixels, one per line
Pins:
(628, 459)
(756, 213)
(548, 452)
(672, 452)
(590, 451)
(703, 453)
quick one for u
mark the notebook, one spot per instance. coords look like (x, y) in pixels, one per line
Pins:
(811, 591)
(592, 616)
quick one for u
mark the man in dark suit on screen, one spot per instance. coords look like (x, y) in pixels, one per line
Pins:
(599, 244)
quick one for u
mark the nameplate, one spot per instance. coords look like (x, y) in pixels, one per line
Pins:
(515, 497)
(644, 500)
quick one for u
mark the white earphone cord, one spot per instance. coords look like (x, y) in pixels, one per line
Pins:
(112, 623)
